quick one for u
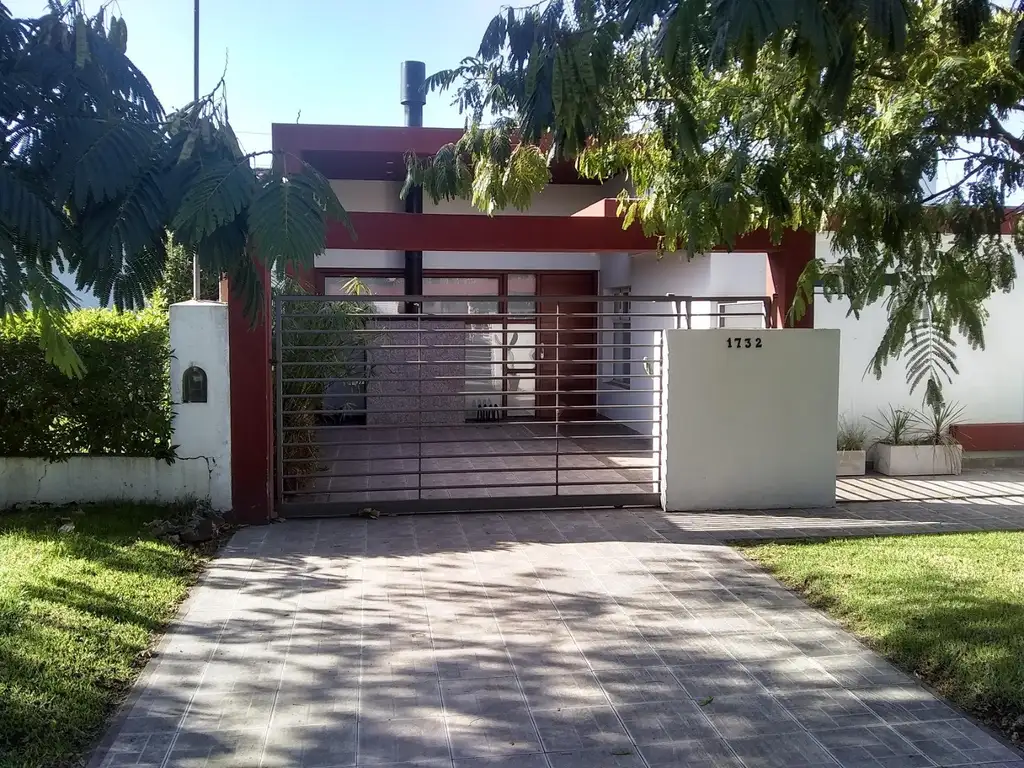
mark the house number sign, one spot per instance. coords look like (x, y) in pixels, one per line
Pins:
(744, 342)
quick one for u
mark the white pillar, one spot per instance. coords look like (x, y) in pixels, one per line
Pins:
(202, 430)
(749, 419)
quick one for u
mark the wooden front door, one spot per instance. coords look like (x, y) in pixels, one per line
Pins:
(567, 355)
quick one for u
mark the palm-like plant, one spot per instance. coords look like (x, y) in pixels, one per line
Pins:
(898, 426)
(94, 175)
(851, 436)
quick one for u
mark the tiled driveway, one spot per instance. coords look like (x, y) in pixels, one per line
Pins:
(466, 461)
(529, 640)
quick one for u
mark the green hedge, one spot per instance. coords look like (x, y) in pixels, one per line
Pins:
(120, 407)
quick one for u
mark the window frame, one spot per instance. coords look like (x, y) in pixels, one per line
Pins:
(621, 322)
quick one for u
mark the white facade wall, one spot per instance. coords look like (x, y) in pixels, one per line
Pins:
(716, 274)
(990, 385)
(554, 200)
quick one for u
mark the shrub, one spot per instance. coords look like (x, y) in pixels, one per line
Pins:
(120, 406)
(852, 436)
(322, 341)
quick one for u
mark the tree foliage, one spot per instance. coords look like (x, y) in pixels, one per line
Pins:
(176, 283)
(729, 116)
(94, 175)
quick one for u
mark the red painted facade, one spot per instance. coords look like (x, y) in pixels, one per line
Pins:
(990, 437)
(379, 231)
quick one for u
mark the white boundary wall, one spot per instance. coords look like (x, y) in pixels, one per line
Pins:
(990, 385)
(83, 479)
(202, 432)
(749, 427)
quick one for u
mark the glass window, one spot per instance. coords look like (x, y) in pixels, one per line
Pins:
(522, 285)
(374, 286)
(460, 286)
(741, 314)
(621, 338)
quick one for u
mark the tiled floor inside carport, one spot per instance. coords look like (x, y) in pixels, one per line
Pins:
(529, 640)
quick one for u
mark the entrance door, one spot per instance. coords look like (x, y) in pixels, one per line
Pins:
(566, 339)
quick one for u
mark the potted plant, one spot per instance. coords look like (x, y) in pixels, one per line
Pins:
(851, 456)
(919, 443)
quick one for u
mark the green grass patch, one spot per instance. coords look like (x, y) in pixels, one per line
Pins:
(948, 608)
(78, 611)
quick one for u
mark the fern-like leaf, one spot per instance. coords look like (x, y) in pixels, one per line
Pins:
(101, 158)
(930, 359)
(287, 221)
(215, 198)
(118, 241)
(24, 212)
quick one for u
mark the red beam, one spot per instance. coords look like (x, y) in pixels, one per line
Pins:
(378, 231)
(296, 137)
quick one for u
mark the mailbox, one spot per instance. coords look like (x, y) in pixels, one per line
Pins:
(193, 385)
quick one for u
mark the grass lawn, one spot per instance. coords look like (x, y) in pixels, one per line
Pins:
(77, 613)
(948, 608)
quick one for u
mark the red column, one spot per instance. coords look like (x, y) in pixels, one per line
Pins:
(252, 411)
(784, 268)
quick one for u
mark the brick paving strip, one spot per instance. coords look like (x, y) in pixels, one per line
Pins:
(608, 639)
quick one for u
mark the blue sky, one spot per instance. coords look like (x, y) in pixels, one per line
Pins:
(335, 60)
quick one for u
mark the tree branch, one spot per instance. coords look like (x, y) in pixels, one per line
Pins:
(1000, 133)
(952, 187)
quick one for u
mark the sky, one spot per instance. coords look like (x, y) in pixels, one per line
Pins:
(318, 61)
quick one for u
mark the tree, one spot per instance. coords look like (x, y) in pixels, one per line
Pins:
(94, 175)
(730, 116)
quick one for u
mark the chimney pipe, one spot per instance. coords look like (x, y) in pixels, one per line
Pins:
(414, 92)
(414, 96)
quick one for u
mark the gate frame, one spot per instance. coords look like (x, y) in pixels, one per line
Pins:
(252, 411)
(672, 311)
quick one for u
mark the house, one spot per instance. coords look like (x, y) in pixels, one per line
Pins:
(513, 272)
(515, 355)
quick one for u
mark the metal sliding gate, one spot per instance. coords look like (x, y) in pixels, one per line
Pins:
(444, 403)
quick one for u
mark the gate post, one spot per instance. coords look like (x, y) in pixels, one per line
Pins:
(749, 419)
(252, 409)
(201, 391)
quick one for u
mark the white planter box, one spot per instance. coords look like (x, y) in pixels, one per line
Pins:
(903, 460)
(850, 463)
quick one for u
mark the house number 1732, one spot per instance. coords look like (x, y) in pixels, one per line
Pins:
(746, 342)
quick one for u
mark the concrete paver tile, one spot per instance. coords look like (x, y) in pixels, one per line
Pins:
(570, 639)
(580, 728)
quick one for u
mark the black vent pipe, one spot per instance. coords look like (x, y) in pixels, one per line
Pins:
(414, 96)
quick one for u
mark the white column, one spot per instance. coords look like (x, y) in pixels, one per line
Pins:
(749, 419)
(199, 337)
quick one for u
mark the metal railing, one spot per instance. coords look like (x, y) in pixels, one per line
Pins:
(558, 404)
